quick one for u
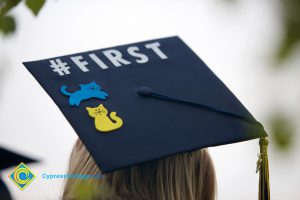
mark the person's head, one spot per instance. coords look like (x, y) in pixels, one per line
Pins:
(184, 176)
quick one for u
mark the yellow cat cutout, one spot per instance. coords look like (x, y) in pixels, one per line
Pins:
(102, 122)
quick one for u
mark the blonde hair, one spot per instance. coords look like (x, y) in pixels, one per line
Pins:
(184, 176)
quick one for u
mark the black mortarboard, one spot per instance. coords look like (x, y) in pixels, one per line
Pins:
(9, 159)
(143, 101)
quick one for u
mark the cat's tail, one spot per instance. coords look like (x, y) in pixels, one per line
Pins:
(118, 120)
(63, 90)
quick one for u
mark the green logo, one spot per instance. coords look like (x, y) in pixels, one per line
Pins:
(22, 176)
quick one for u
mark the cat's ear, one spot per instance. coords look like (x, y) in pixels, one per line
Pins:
(90, 111)
(102, 108)
(95, 84)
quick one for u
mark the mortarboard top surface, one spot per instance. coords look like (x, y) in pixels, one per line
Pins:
(152, 127)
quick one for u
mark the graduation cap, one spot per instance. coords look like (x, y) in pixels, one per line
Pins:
(139, 102)
(9, 159)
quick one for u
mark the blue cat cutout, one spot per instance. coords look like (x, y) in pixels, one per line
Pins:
(87, 91)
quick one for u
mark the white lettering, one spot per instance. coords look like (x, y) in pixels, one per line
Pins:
(133, 51)
(154, 46)
(97, 60)
(80, 64)
(115, 57)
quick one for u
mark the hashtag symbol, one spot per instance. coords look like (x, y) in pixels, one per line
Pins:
(60, 67)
